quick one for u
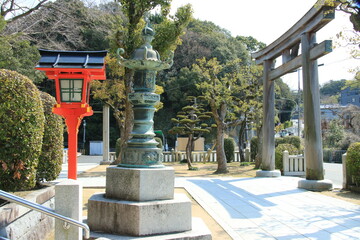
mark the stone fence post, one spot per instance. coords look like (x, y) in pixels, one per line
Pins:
(346, 177)
(286, 166)
(68, 202)
(247, 155)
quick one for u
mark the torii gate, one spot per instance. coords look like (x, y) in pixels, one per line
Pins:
(303, 34)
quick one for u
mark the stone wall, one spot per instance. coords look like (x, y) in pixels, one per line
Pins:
(21, 223)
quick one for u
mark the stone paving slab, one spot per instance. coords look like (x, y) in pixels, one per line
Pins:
(273, 208)
(263, 208)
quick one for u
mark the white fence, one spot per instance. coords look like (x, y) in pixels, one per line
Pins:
(293, 165)
(201, 156)
(198, 156)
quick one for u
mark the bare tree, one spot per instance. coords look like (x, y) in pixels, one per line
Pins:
(12, 10)
(64, 25)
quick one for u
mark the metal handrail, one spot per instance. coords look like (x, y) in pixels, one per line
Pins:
(45, 210)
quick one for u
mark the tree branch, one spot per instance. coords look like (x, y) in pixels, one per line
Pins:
(25, 13)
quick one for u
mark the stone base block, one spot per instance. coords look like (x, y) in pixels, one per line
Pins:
(263, 173)
(315, 185)
(139, 218)
(104, 162)
(140, 184)
(199, 232)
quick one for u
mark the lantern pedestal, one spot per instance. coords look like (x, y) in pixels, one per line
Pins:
(140, 202)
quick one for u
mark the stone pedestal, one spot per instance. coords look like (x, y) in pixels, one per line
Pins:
(139, 202)
(315, 185)
(263, 173)
(139, 218)
(140, 184)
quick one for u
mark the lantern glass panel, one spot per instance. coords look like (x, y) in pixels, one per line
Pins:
(71, 90)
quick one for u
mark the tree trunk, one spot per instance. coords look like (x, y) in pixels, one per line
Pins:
(125, 131)
(189, 147)
(258, 157)
(242, 140)
(220, 152)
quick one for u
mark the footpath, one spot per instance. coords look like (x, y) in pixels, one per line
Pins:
(260, 208)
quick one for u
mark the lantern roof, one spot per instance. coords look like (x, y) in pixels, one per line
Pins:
(72, 59)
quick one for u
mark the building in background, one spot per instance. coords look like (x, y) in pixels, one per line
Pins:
(350, 96)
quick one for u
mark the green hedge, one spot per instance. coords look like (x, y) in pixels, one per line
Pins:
(21, 131)
(229, 148)
(353, 162)
(51, 156)
(279, 154)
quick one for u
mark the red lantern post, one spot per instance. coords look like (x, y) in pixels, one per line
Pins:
(72, 72)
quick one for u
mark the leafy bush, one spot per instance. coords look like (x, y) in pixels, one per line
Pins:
(21, 131)
(347, 140)
(279, 140)
(279, 154)
(229, 148)
(160, 143)
(353, 162)
(334, 135)
(51, 156)
(254, 147)
(294, 140)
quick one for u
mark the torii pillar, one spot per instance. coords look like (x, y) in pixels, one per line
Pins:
(287, 46)
(312, 119)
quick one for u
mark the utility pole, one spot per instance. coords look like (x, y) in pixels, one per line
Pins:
(298, 105)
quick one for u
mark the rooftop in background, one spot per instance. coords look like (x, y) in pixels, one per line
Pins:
(71, 59)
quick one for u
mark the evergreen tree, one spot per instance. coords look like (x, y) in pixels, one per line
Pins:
(193, 122)
(223, 87)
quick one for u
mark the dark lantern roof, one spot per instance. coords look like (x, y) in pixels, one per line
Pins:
(71, 59)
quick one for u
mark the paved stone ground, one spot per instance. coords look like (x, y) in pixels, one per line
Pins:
(268, 208)
(263, 208)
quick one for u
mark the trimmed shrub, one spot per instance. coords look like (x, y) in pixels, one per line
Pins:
(160, 143)
(294, 140)
(21, 131)
(353, 162)
(51, 156)
(229, 148)
(279, 154)
(279, 140)
(117, 147)
(254, 147)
